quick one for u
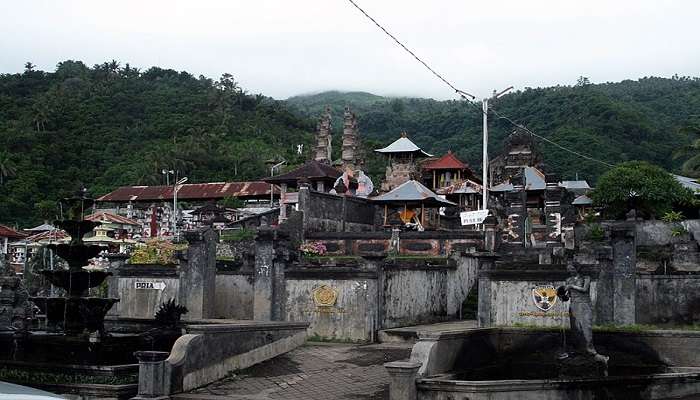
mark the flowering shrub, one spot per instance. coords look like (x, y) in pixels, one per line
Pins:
(156, 251)
(313, 249)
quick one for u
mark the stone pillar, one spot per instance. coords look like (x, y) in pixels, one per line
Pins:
(624, 273)
(153, 380)
(198, 274)
(490, 234)
(552, 210)
(484, 287)
(271, 255)
(605, 289)
(402, 375)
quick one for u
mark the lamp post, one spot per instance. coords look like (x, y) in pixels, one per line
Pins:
(176, 188)
(272, 186)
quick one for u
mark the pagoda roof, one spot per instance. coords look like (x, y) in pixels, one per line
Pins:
(413, 192)
(403, 145)
(312, 170)
(448, 161)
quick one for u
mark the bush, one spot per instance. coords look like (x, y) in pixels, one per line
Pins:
(638, 185)
(596, 233)
(156, 251)
(672, 216)
(238, 235)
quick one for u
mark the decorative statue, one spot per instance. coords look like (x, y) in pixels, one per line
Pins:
(577, 291)
(364, 185)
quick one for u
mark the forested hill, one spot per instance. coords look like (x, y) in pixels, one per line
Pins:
(613, 122)
(113, 125)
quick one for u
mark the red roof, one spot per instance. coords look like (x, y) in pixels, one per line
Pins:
(6, 231)
(113, 218)
(448, 161)
(192, 191)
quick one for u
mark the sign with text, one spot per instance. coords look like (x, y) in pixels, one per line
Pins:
(473, 217)
(149, 285)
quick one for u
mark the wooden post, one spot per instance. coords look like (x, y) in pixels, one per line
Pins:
(422, 214)
(385, 211)
(434, 185)
(283, 206)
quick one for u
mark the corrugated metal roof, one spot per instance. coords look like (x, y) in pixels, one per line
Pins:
(190, 191)
(104, 216)
(689, 183)
(574, 185)
(41, 228)
(464, 187)
(403, 145)
(582, 200)
(448, 161)
(412, 191)
(6, 231)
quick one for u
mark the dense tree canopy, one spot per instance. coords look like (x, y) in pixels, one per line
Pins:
(113, 125)
(648, 189)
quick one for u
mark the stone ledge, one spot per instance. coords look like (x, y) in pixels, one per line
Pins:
(249, 326)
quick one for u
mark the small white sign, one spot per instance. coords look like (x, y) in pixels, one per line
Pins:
(473, 217)
(149, 285)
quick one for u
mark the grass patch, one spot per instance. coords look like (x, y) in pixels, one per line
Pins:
(238, 235)
(36, 377)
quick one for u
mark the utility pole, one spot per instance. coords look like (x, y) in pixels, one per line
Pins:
(485, 155)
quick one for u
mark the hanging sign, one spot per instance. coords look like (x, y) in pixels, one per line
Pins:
(473, 217)
(149, 285)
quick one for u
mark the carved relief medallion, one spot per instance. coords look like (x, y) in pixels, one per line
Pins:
(325, 296)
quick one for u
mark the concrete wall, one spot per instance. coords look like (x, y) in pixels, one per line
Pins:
(234, 295)
(353, 316)
(505, 297)
(417, 292)
(668, 299)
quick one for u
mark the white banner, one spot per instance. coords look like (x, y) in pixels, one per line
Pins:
(150, 285)
(473, 217)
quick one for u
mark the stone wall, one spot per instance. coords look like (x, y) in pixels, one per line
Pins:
(668, 299)
(325, 212)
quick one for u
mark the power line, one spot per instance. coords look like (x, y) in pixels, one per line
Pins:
(523, 127)
(459, 92)
(464, 94)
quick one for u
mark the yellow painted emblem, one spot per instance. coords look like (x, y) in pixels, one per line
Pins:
(544, 297)
(325, 296)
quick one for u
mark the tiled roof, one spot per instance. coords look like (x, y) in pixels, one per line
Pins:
(191, 191)
(448, 161)
(464, 187)
(109, 217)
(57, 234)
(6, 231)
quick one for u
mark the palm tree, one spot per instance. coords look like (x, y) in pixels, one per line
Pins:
(691, 166)
(7, 166)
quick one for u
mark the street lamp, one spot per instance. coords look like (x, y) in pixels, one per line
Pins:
(167, 174)
(176, 188)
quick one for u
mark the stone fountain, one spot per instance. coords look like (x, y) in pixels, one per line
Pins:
(76, 313)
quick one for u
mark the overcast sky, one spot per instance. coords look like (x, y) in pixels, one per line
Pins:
(286, 47)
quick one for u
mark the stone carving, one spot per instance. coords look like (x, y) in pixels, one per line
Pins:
(15, 307)
(576, 290)
(325, 296)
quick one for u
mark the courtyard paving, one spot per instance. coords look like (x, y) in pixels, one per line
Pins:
(312, 372)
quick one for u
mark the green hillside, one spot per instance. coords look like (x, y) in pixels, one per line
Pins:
(113, 125)
(613, 122)
(110, 125)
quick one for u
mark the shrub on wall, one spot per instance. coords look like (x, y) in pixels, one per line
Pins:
(641, 186)
(156, 251)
